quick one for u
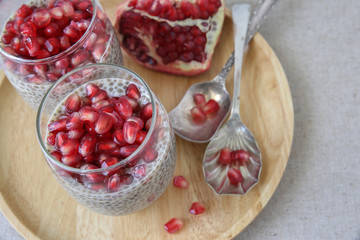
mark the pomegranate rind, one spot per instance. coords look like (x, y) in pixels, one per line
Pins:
(177, 67)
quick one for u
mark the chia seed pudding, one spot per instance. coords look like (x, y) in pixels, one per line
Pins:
(32, 77)
(142, 189)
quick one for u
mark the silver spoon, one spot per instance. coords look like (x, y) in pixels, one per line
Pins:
(180, 117)
(234, 135)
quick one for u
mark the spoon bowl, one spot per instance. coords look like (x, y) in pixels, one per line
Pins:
(180, 116)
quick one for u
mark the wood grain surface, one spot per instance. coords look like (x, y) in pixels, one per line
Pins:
(37, 206)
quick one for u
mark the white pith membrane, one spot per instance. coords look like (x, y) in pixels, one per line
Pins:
(211, 26)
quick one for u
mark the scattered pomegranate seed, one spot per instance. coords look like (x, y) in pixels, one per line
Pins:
(128, 150)
(174, 225)
(52, 30)
(24, 11)
(59, 139)
(51, 139)
(198, 115)
(75, 133)
(32, 45)
(130, 130)
(225, 156)
(119, 137)
(28, 29)
(197, 208)
(56, 13)
(57, 126)
(89, 114)
(180, 182)
(105, 146)
(199, 100)
(101, 95)
(73, 121)
(234, 175)
(140, 137)
(73, 103)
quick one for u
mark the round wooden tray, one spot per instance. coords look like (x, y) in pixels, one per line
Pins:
(36, 205)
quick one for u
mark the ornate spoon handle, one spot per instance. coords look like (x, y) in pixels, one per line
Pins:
(259, 15)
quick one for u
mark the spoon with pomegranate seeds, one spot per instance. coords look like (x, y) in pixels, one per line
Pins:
(232, 160)
(205, 105)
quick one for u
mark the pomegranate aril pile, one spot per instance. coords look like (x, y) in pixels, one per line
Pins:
(203, 110)
(171, 36)
(234, 159)
(88, 136)
(37, 32)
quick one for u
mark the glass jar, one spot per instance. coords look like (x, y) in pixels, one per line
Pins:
(144, 175)
(33, 77)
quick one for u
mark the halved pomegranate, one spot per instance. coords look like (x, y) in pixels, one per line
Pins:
(173, 36)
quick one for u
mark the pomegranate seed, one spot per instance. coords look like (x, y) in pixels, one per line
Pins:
(73, 121)
(89, 159)
(10, 28)
(123, 108)
(67, 9)
(56, 13)
(146, 111)
(64, 42)
(71, 160)
(52, 76)
(56, 155)
(78, 15)
(6, 38)
(83, 5)
(71, 32)
(140, 137)
(57, 126)
(132, 163)
(52, 30)
(118, 121)
(42, 54)
(180, 182)
(25, 69)
(87, 113)
(225, 156)
(102, 157)
(174, 225)
(59, 139)
(139, 171)
(150, 155)
(199, 100)
(51, 139)
(136, 120)
(91, 89)
(40, 69)
(109, 162)
(101, 95)
(80, 58)
(133, 92)
(15, 44)
(69, 147)
(100, 104)
(62, 63)
(104, 123)
(241, 156)
(75, 133)
(83, 25)
(118, 137)
(92, 177)
(73, 103)
(134, 104)
(98, 52)
(234, 175)
(32, 46)
(197, 208)
(28, 29)
(114, 183)
(24, 11)
(100, 28)
(90, 42)
(148, 124)
(198, 115)
(128, 150)
(105, 136)
(105, 146)
(41, 18)
(130, 129)
(211, 107)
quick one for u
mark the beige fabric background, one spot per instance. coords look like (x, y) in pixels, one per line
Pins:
(318, 43)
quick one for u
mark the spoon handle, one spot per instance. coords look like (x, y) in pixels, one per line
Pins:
(258, 18)
(241, 15)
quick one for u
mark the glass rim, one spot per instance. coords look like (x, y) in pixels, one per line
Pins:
(122, 162)
(68, 51)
